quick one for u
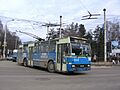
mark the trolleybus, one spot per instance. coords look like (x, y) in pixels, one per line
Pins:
(68, 54)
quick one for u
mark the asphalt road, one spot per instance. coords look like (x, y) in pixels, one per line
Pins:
(15, 77)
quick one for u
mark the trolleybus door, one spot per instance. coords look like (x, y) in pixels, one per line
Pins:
(30, 62)
(61, 66)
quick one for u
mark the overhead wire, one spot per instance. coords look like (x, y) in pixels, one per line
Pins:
(24, 20)
(84, 6)
(39, 23)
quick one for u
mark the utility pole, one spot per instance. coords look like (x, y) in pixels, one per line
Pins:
(60, 47)
(60, 27)
(16, 40)
(48, 31)
(5, 43)
(105, 48)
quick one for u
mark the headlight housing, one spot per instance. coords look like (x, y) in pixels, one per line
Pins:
(73, 66)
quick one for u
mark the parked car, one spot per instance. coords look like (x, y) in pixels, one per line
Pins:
(10, 58)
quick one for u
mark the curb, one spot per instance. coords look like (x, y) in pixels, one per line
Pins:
(2, 59)
(104, 64)
(101, 66)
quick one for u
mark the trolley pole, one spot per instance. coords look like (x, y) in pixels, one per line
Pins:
(105, 48)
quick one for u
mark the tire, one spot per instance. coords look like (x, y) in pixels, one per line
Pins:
(51, 67)
(25, 63)
(14, 59)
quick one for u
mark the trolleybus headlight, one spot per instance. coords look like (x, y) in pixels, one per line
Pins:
(73, 66)
(88, 65)
(69, 63)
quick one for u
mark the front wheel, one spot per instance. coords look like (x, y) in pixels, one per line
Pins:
(51, 67)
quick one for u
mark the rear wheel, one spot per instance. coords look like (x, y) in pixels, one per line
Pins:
(25, 63)
(51, 67)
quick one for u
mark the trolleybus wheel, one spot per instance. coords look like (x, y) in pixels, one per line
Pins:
(51, 67)
(25, 63)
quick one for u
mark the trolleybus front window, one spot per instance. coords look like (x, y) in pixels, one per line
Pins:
(86, 49)
(76, 50)
(79, 49)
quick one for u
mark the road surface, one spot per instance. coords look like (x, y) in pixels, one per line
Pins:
(16, 77)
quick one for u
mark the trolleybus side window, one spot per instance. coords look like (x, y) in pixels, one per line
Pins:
(36, 49)
(41, 48)
(52, 48)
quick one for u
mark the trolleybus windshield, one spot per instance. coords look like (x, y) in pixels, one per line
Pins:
(80, 49)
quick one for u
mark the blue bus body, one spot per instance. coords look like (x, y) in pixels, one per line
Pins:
(77, 64)
(70, 54)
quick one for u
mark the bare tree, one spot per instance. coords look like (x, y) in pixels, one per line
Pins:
(113, 30)
(10, 39)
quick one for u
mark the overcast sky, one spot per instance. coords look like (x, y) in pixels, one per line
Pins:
(50, 10)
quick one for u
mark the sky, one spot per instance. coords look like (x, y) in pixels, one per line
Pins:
(29, 15)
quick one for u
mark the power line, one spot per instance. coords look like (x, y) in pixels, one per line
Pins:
(113, 15)
(24, 20)
(83, 5)
(39, 23)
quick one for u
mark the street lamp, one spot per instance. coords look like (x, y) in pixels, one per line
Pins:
(4, 43)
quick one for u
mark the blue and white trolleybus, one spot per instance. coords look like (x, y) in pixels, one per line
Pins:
(69, 54)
